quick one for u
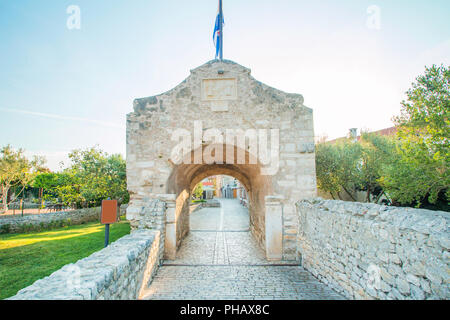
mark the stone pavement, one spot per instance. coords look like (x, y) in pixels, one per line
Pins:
(219, 259)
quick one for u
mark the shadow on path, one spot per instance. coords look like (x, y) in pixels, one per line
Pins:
(219, 259)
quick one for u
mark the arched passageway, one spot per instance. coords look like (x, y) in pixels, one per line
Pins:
(220, 259)
(224, 97)
(219, 234)
(218, 98)
(185, 176)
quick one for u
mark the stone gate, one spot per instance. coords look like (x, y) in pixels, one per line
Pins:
(360, 250)
(220, 120)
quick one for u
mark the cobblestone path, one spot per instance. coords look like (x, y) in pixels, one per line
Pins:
(219, 259)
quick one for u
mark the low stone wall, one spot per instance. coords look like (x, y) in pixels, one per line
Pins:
(152, 216)
(120, 271)
(368, 251)
(18, 224)
(213, 203)
(123, 209)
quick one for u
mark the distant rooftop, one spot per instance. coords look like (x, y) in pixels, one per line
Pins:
(383, 132)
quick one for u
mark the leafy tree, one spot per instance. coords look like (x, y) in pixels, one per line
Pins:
(354, 166)
(377, 152)
(16, 170)
(425, 114)
(198, 191)
(423, 130)
(379, 156)
(94, 176)
(47, 182)
(411, 168)
(69, 187)
(57, 185)
(327, 166)
(339, 167)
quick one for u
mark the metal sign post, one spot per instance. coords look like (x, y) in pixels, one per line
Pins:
(106, 234)
(109, 215)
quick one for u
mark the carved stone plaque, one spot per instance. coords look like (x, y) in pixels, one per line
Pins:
(219, 106)
(219, 89)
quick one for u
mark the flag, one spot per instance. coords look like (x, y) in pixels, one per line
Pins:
(217, 34)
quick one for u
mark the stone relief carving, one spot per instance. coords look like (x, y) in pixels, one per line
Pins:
(219, 89)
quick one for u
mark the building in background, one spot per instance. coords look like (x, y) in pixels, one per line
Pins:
(353, 134)
(222, 186)
(242, 195)
(228, 187)
(209, 187)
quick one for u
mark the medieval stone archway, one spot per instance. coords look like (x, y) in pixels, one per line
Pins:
(185, 176)
(220, 96)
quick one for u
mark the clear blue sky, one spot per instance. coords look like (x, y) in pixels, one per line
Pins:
(53, 80)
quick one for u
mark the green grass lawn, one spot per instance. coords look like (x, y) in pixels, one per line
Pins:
(25, 258)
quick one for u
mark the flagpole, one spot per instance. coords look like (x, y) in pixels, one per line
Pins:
(221, 29)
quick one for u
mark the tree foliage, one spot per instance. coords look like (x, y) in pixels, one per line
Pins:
(16, 171)
(100, 175)
(197, 193)
(410, 168)
(92, 176)
(348, 166)
(424, 147)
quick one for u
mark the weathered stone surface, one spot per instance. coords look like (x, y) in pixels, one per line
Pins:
(413, 279)
(224, 96)
(120, 271)
(403, 286)
(389, 252)
(417, 293)
(16, 224)
(220, 259)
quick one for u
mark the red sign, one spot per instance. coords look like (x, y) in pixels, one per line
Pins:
(109, 211)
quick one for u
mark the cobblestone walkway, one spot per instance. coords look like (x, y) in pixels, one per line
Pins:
(219, 259)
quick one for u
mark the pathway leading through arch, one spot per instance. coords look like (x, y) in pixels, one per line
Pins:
(219, 259)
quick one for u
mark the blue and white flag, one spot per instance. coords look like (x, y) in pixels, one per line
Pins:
(217, 28)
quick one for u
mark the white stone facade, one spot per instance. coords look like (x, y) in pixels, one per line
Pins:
(223, 95)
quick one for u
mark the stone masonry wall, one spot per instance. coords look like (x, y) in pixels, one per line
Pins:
(120, 271)
(223, 95)
(17, 224)
(368, 251)
(152, 216)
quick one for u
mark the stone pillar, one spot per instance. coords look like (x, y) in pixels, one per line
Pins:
(170, 239)
(274, 227)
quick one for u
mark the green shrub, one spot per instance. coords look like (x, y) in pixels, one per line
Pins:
(27, 227)
(199, 201)
(5, 228)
